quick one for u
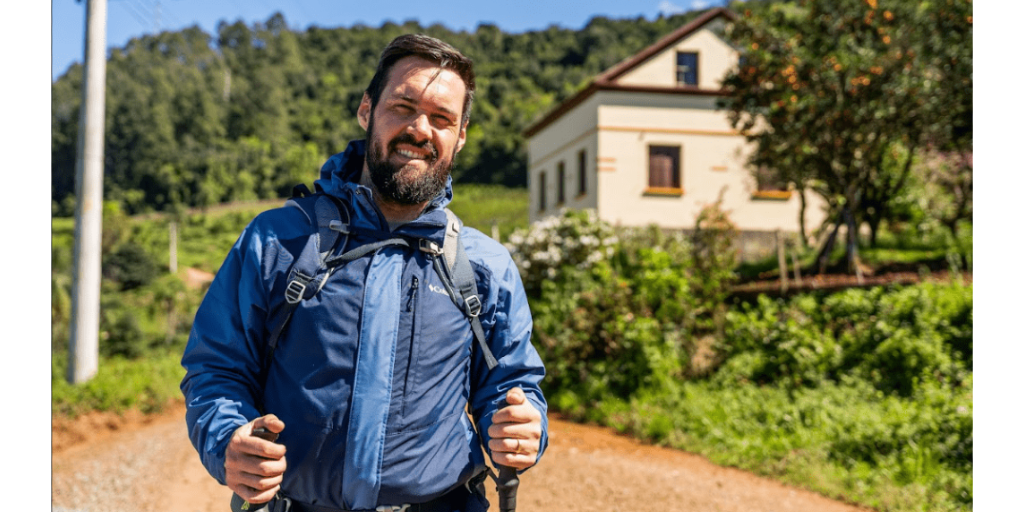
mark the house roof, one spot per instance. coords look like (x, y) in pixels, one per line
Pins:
(606, 81)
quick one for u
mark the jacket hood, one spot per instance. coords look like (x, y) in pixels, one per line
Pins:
(342, 171)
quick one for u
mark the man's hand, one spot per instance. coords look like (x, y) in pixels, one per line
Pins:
(515, 433)
(254, 467)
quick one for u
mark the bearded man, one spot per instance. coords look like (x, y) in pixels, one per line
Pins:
(374, 390)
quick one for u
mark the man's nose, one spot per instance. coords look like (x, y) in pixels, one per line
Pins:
(420, 127)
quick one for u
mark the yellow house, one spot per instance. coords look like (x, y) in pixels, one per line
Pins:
(645, 144)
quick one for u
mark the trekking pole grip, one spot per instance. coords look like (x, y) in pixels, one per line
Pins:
(508, 484)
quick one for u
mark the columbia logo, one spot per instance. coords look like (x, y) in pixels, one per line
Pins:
(437, 289)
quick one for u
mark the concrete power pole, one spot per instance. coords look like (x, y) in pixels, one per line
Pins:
(85, 308)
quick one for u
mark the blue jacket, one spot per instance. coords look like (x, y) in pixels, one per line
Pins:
(417, 342)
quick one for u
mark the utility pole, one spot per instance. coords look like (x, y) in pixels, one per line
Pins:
(85, 307)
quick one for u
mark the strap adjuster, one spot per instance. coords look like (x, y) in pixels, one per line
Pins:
(473, 306)
(429, 247)
(340, 227)
(296, 288)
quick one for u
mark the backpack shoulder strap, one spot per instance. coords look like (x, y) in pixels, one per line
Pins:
(462, 281)
(328, 217)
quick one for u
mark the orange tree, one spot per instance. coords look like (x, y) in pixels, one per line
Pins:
(830, 91)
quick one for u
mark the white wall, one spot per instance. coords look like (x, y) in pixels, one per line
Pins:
(714, 59)
(561, 142)
(713, 159)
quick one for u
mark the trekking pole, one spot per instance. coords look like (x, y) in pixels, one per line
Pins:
(240, 505)
(508, 485)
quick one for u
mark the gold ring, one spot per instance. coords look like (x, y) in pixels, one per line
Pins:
(519, 444)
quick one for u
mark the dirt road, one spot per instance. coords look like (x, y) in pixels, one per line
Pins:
(144, 464)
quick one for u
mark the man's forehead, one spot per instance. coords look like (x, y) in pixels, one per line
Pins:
(414, 76)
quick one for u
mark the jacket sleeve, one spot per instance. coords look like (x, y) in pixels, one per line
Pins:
(223, 357)
(508, 324)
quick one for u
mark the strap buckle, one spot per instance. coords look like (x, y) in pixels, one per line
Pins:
(296, 288)
(393, 508)
(340, 227)
(429, 247)
(473, 306)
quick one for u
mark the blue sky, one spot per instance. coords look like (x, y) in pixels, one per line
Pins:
(132, 18)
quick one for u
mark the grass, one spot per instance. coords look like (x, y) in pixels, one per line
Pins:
(204, 238)
(146, 384)
(487, 206)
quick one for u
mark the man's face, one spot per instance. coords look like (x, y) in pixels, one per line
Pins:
(414, 131)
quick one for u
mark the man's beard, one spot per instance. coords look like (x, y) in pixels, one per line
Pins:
(398, 187)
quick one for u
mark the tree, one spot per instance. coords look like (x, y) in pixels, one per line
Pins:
(828, 89)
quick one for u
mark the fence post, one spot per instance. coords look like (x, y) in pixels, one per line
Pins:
(783, 272)
(796, 268)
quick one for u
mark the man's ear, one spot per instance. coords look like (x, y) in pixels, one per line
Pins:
(462, 137)
(363, 112)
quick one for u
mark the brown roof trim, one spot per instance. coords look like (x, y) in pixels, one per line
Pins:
(661, 90)
(603, 80)
(581, 96)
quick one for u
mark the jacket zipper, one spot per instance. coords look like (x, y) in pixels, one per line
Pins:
(412, 293)
(410, 307)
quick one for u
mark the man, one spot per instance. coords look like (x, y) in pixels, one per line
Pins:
(370, 388)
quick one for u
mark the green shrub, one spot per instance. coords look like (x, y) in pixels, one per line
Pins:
(130, 266)
(615, 311)
(714, 261)
(120, 332)
(896, 338)
(792, 347)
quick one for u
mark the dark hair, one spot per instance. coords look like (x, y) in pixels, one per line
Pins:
(428, 48)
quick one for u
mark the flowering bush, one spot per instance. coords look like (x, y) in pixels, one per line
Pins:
(576, 238)
(611, 307)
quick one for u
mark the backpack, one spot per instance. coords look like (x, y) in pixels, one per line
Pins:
(325, 251)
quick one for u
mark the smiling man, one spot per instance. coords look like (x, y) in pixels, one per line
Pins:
(414, 129)
(364, 403)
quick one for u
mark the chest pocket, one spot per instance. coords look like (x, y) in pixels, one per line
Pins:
(431, 379)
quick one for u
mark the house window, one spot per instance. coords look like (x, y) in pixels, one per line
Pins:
(686, 68)
(769, 185)
(561, 183)
(542, 200)
(664, 174)
(582, 169)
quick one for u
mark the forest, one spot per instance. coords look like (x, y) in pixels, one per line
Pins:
(196, 119)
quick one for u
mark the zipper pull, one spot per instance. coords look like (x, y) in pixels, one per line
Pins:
(412, 293)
